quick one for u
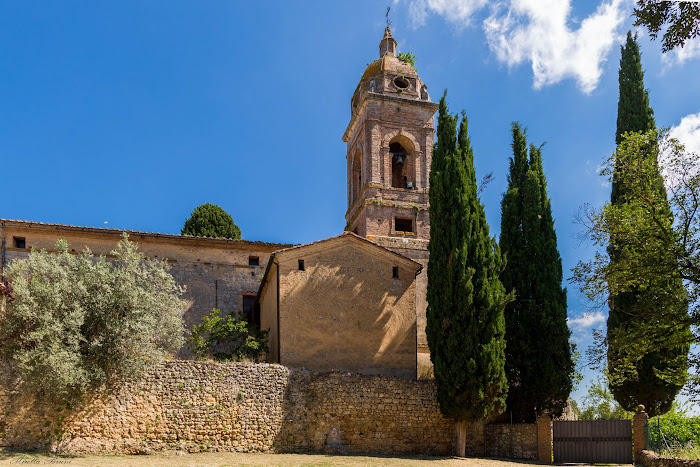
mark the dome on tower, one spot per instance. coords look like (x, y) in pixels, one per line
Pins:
(389, 76)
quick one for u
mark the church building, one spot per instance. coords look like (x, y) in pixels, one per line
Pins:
(355, 302)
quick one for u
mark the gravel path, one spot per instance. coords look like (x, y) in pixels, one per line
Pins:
(212, 459)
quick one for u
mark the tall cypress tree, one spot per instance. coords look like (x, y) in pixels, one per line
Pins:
(539, 364)
(465, 324)
(642, 385)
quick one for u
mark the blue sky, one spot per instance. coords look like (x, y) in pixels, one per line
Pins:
(129, 114)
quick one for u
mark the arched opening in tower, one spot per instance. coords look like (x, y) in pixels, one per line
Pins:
(399, 166)
(356, 185)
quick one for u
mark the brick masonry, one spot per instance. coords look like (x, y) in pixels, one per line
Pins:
(385, 113)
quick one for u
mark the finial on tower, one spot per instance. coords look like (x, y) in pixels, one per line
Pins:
(388, 44)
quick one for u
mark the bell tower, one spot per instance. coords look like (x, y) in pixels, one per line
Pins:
(390, 142)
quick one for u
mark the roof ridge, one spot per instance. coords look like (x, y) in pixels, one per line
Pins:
(141, 232)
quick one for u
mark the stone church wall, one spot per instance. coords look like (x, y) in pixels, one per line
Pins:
(215, 272)
(197, 406)
(346, 310)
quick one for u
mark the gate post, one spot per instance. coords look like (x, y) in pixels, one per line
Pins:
(545, 439)
(639, 422)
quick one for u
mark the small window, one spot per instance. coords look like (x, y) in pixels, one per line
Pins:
(253, 261)
(19, 242)
(403, 225)
(248, 308)
(302, 267)
(395, 272)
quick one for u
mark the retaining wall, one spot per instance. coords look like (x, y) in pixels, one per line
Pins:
(651, 459)
(195, 406)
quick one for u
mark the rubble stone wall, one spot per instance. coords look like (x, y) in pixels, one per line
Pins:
(197, 406)
(517, 441)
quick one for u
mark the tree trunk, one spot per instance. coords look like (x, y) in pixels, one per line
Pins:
(461, 426)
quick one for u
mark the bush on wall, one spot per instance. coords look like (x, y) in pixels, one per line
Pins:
(226, 338)
(78, 322)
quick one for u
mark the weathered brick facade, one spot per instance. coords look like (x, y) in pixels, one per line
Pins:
(389, 150)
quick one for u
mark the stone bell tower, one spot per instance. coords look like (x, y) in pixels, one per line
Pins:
(390, 142)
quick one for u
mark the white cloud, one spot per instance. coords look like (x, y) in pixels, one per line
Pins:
(679, 55)
(586, 321)
(688, 132)
(459, 12)
(538, 31)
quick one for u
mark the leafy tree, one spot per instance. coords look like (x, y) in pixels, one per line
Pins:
(465, 324)
(539, 361)
(599, 404)
(5, 293)
(653, 253)
(209, 220)
(681, 19)
(78, 322)
(641, 384)
(225, 339)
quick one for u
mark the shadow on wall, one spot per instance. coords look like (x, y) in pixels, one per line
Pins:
(350, 318)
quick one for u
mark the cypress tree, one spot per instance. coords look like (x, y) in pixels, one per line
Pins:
(465, 324)
(539, 364)
(643, 384)
(633, 110)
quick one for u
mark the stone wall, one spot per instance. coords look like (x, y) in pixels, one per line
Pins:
(215, 272)
(194, 406)
(651, 459)
(517, 441)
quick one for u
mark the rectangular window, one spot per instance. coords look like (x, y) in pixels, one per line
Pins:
(19, 242)
(403, 225)
(302, 267)
(256, 314)
(248, 307)
(395, 272)
(253, 261)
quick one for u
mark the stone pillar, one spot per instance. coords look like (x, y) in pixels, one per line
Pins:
(545, 439)
(639, 424)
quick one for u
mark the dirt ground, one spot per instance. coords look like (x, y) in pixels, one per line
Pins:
(220, 459)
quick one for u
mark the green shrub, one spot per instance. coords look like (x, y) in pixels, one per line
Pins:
(78, 322)
(226, 339)
(680, 431)
(407, 57)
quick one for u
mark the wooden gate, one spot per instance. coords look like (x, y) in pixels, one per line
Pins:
(594, 441)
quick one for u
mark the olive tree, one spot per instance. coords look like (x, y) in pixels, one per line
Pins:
(77, 322)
